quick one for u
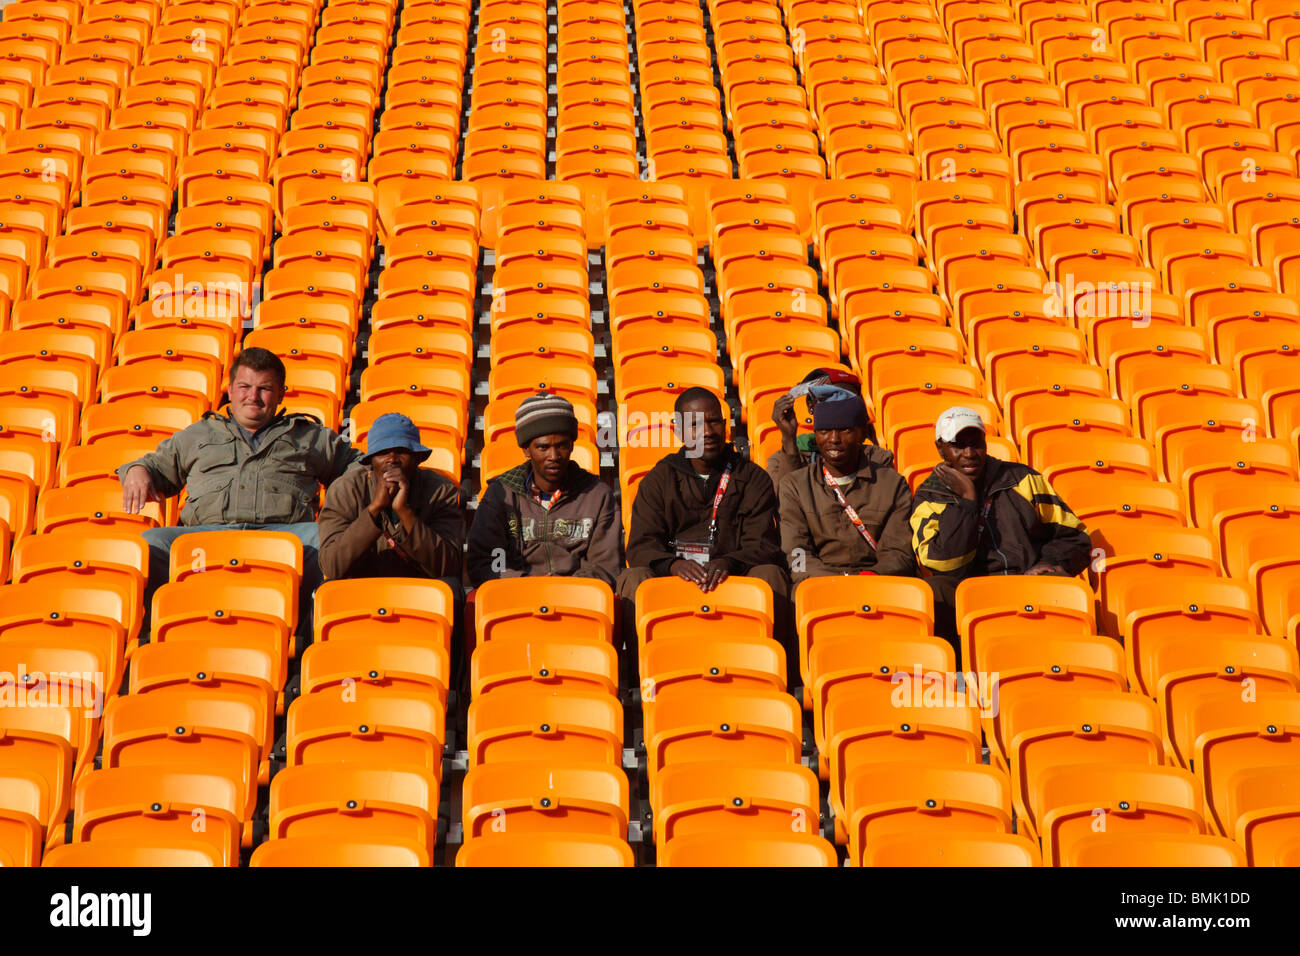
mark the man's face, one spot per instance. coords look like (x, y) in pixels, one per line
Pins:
(403, 459)
(254, 397)
(549, 456)
(966, 453)
(703, 430)
(840, 446)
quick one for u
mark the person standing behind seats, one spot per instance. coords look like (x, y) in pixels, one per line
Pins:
(977, 515)
(546, 515)
(844, 512)
(392, 518)
(256, 469)
(704, 512)
(819, 385)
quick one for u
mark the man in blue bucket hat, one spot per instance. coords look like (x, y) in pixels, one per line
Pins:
(392, 518)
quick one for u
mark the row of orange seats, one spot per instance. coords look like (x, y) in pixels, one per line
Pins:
(839, 72)
(193, 737)
(76, 612)
(506, 134)
(899, 732)
(1218, 702)
(685, 136)
(419, 134)
(545, 784)
(540, 260)
(659, 321)
(776, 137)
(723, 739)
(596, 132)
(366, 736)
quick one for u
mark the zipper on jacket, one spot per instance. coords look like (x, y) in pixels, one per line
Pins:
(550, 563)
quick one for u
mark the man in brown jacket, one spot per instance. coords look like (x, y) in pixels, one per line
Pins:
(844, 513)
(392, 518)
(546, 516)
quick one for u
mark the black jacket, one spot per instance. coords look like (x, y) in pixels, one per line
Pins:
(1027, 524)
(673, 502)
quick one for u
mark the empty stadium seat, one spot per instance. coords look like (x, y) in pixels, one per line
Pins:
(505, 799)
(539, 607)
(895, 798)
(546, 849)
(333, 802)
(951, 849)
(1154, 849)
(314, 852)
(725, 849)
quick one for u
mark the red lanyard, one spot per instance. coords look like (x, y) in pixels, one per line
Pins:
(848, 510)
(537, 494)
(717, 500)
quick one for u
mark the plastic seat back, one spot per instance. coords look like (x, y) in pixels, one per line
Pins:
(546, 849)
(1124, 799)
(401, 609)
(340, 802)
(944, 849)
(148, 804)
(526, 724)
(1153, 849)
(377, 728)
(543, 606)
(516, 797)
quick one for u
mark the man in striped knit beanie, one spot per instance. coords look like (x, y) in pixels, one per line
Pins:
(546, 516)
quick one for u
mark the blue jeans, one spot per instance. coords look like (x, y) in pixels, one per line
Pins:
(160, 547)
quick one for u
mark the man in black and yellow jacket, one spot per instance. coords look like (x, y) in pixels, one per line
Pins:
(977, 515)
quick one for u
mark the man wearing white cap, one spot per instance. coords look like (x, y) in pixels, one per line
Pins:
(977, 515)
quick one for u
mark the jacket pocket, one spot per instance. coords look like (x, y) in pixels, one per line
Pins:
(214, 469)
(286, 502)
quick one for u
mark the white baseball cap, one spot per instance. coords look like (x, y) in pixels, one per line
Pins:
(956, 420)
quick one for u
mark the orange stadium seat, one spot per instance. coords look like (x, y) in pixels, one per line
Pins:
(328, 803)
(1079, 220)
(546, 849)
(924, 848)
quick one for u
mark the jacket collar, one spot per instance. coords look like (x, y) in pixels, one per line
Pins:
(576, 480)
(866, 466)
(999, 475)
(237, 430)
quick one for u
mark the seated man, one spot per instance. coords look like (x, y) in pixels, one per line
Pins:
(978, 515)
(547, 515)
(821, 384)
(844, 512)
(257, 469)
(704, 512)
(393, 518)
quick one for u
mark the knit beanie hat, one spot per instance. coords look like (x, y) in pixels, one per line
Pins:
(544, 414)
(844, 413)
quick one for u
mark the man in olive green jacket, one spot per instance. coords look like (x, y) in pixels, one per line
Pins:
(257, 469)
